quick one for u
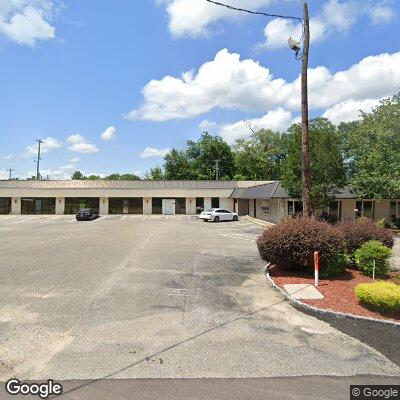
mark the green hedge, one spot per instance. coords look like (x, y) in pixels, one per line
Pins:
(381, 296)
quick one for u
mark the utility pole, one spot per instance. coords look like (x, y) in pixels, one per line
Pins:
(296, 46)
(305, 148)
(38, 159)
(10, 172)
(216, 170)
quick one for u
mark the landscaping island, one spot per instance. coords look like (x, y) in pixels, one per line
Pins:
(354, 264)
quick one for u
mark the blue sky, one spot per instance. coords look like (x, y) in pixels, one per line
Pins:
(149, 75)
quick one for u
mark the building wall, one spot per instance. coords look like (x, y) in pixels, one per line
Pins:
(147, 206)
(191, 205)
(16, 205)
(103, 205)
(382, 209)
(348, 206)
(268, 210)
(60, 205)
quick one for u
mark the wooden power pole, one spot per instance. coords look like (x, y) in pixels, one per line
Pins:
(38, 159)
(305, 148)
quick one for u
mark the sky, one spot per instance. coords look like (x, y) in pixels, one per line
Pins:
(112, 86)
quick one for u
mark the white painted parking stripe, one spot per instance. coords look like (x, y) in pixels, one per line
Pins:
(51, 219)
(4, 218)
(122, 218)
(145, 217)
(23, 220)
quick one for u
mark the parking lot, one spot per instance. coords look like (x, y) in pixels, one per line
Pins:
(156, 296)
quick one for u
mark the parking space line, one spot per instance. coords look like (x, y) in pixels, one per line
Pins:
(51, 219)
(122, 218)
(24, 220)
(4, 218)
(145, 217)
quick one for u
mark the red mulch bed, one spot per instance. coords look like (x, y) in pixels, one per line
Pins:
(338, 292)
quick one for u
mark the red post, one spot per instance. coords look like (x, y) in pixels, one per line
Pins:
(316, 268)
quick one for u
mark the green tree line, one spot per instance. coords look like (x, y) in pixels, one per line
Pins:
(364, 154)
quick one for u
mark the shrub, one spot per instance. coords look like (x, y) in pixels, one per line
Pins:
(368, 253)
(336, 265)
(358, 232)
(383, 296)
(292, 244)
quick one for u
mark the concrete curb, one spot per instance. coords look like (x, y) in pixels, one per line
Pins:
(257, 221)
(322, 311)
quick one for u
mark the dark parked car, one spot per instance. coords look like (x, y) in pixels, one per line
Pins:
(87, 214)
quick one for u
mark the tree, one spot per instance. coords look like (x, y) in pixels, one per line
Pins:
(77, 175)
(327, 171)
(177, 166)
(93, 177)
(371, 147)
(155, 173)
(204, 153)
(260, 157)
(130, 177)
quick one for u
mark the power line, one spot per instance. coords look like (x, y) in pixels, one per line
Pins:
(255, 12)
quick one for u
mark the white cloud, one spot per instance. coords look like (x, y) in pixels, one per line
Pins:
(227, 82)
(193, 18)
(108, 134)
(27, 21)
(68, 167)
(336, 17)
(79, 144)
(73, 160)
(48, 144)
(7, 157)
(381, 14)
(152, 152)
(277, 120)
(349, 110)
(206, 125)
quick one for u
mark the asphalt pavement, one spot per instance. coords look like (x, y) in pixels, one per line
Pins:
(133, 297)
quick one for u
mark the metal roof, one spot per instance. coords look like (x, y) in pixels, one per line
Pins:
(273, 190)
(266, 191)
(115, 184)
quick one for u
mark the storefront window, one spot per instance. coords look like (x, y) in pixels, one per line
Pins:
(38, 205)
(365, 208)
(199, 204)
(215, 202)
(132, 205)
(156, 205)
(333, 211)
(136, 205)
(74, 204)
(394, 210)
(5, 205)
(180, 205)
(295, 207)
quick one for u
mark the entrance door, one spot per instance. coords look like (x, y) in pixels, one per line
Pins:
(38, 206)
(168, 206)
(125, 206)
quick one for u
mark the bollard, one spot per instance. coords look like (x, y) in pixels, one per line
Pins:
(316, 268)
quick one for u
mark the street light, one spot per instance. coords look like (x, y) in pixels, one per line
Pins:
(296, 46)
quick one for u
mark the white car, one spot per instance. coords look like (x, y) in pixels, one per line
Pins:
(217, 215)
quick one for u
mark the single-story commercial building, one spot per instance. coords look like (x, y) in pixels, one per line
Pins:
(270, 201)
(265, 200)
(117, 197)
